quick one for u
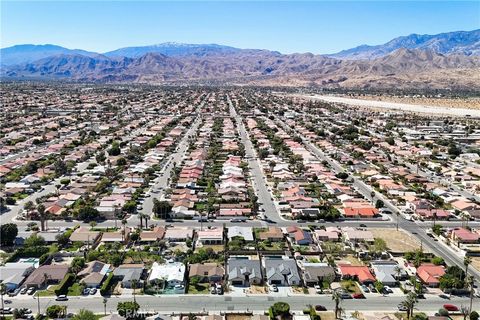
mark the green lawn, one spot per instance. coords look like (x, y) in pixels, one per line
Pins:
(75, 290)
(200, 288)
(350, 285)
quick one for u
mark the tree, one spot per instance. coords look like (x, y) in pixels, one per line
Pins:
(280, 309)
(42, 216)
(409, 303)
(161, 208)
(134, 287)
(60, 167)
(55, 311)
(8, 233)
(34, 241)
(62, 239)
(379, 204)
(379, 286)
(88, 213)
(84, 315)
(115, 149)
(337, 298)
(466, 262)
(474, 315)
(127, 308)
(3, 290)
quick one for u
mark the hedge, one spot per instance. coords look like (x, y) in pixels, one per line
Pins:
(62, 288)
(105, 289)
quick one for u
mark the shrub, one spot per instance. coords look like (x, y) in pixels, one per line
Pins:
(105, 288)
(474, 315)
(62, 288)
(55, 311)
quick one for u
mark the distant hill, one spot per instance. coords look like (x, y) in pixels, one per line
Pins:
(26, 53)
(460, 42)
(172, 49)
(403, 67)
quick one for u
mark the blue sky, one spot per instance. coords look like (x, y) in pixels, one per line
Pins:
(286, 26)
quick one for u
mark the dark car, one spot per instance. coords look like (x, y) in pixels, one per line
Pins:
(363, 225)
(320, 308)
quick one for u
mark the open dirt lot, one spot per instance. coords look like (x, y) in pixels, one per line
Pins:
(397, 241)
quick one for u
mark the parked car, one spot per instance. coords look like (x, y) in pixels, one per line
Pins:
(6, 310)
(273, 288)
(450, 307)
(365, 288)
(358, 296)
(31, 291)
(401, 307)
(61, 297)
(93, 291)
(320, 308)
(387, 289)
(213, 290)
(86, 291)
(14, 292)
(219, 290)
(24, 290)
(318, 289)
(345, 295)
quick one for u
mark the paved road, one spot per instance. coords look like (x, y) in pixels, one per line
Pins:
(197, 303)
(258, 177)
(161, 182)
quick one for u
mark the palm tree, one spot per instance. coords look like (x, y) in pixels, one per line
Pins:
(470, 282)
(409, 303)
(105, 300)
(140, 216)
(337, 297)
(466, 262)
(124, 223)
(41, 214)
(134, 287)
(398, 272)
(146, 217)
(3, 290)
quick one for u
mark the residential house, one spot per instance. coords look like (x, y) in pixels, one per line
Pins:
(148, 236)
(46, 275)
(360, 273)
(12, 274)
(283, 272)
(244, 232)
(430, 274)
(129, 273)
(244, 272)
(207, 272)
(271, 234)
(171, 274)
(317, 272)
(388, 272)
(94, 274)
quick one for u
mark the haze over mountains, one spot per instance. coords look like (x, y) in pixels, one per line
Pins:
(448, 60)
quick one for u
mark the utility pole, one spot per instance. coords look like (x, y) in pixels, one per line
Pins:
(38, 302)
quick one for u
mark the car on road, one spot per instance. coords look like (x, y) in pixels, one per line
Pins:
(320, 308)
(301, 221)
(237, 220)
(61, 297)
(450, 307)
(363, 225)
